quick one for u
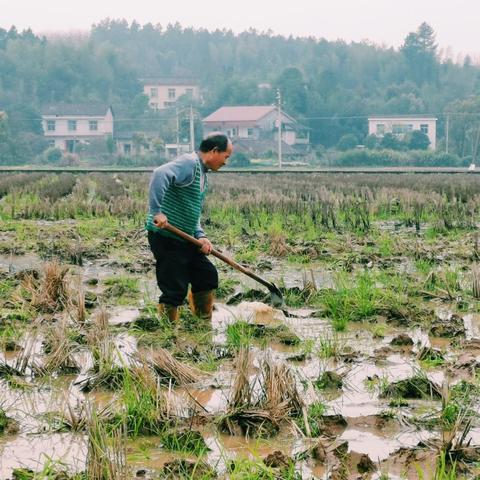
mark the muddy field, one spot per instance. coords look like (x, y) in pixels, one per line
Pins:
(370, 371)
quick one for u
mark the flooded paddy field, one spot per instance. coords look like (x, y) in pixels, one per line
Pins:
(369, 371)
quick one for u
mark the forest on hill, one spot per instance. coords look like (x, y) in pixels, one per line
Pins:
(329, 86)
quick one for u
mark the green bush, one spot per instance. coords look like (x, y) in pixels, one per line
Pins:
(239, 159)
(347, 142)
(392, 158)
(53, 155)
(417, 140)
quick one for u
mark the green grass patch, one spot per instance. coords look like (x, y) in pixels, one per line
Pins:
(346, 303)
(123, 289)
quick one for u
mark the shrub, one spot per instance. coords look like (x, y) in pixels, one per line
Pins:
(390, 141)
(347, 142)
(417, 140)
(70, 160)
(392, 158)
(53, 155)
(371, 141)
(239, 159)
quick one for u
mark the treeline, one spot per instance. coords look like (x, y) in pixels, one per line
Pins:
(330, 86)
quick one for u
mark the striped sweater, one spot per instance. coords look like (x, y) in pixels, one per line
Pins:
(177, 189)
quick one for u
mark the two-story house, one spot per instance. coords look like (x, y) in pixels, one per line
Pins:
(66, 125)
(400, 125)
(255, 123)
(164, 92)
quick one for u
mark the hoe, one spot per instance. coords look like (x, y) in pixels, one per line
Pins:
(276, 295)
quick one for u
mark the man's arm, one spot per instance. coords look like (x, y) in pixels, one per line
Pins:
(178, 172)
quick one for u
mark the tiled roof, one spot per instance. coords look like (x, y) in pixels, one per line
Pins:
(239, 114)
(83, 109)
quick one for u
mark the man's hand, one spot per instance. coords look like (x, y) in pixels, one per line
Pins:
(160, 220)
(206, 245)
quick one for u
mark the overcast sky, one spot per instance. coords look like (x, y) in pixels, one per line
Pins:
(387, 22)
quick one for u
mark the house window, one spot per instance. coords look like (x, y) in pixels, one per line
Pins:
(189, 92)
(168, 104)
(93, 125)
(249, 132)
(424, 128)
(51, 143)
(380, 129)
(50, 125)
(154, 92)
(234, 131)
(171, 93)
(72, 125)
(401, 128)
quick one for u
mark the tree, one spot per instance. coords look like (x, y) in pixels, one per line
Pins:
(110, 144)
(464, 131)
(239, 159)
(420, 52)
(53, 155)
(139, 105)
(371, 141)
(7, 145)
(417, 140)
(347, 142)
(391, 142)
(293, 90)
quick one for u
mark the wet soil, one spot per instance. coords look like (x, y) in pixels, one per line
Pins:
(366, 427)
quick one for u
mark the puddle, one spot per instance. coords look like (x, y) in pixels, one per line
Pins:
(228, 447)
(18, 263)
(379, 447)
(472, 326)
(289, 276)
(123, 316)
(36, 451)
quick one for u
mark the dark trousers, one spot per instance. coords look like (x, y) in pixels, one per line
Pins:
(179, 264)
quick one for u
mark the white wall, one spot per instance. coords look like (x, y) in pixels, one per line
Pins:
(104, 126)
(162, 100)
(416, 123)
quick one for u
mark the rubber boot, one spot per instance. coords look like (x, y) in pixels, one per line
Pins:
(201, 304)
(169, 311)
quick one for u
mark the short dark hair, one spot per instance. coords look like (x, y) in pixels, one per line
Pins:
(214, 140)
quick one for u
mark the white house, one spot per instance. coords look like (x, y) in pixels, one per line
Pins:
(255, 123)
(399, 125)
(67, 125)
(163, 92)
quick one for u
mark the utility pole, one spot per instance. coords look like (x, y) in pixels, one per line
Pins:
(178, 131)
(446, 133)
(192, 131)
(279, 121)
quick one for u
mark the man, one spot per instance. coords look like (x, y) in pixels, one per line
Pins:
(177, 191)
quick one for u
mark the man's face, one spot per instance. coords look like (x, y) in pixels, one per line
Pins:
(218, 159)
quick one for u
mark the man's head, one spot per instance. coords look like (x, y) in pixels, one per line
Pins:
(215, 150)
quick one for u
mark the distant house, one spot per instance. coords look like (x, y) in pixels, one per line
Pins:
(255, 123)
(400, 125)
(140, 142)
(67, 125)
(163, 92)
(173, 150)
